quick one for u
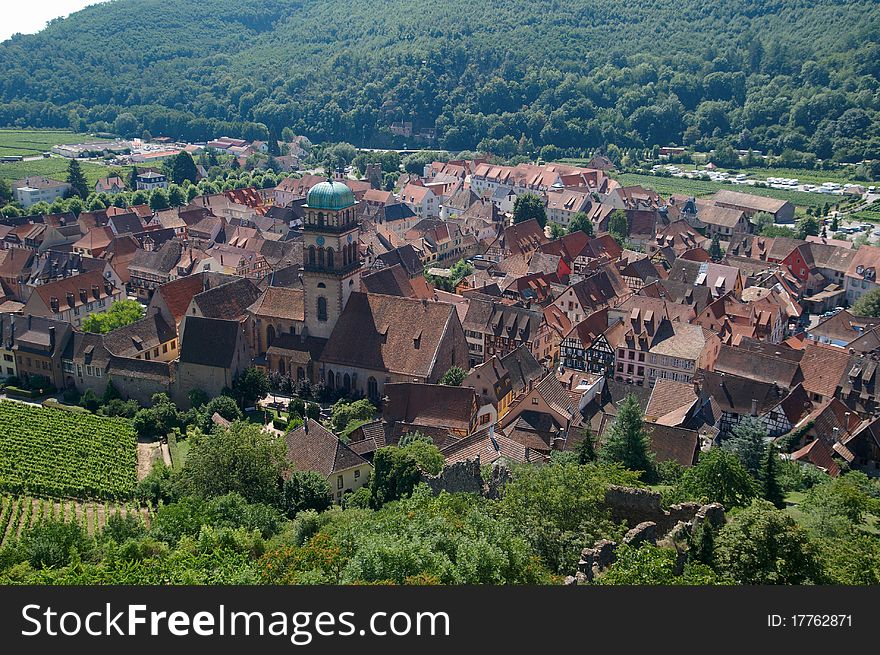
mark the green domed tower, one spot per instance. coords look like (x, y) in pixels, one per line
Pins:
(331, 259)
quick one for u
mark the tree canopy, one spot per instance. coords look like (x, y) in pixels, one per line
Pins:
(775, 79)
(120, 314)
(528, 206)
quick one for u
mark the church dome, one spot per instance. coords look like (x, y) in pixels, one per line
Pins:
(330, 195)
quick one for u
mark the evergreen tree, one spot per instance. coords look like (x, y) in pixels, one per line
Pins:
(77, 180)
(183, 167)
(747, 441)
(835, 224)
(771, 488)
(701, 546)
(132, 179)
(628, 443)
(715, 248)
(587, 447)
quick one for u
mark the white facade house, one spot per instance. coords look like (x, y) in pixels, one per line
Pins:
(421, 200)
(151, 180)
(34, 189)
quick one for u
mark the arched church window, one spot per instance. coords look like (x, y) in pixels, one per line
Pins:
(322, 308)
(329, 257)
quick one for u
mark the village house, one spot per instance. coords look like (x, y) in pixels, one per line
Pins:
(587, 346)
(750, 204)
(74, 298)
(312, 447)
(431, 405)
(111, 185)
(149, 269)
(34, 189)
(37, 343)
(494, 387)
(213, 352)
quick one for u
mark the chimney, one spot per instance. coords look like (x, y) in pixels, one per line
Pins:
(52, 337)
(306, 425)
(754, 407)
(834, 433)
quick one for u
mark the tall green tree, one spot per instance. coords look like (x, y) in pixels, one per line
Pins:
(618, 226)
(529, 206)
(242, 459)
(718, 477)
(132, 179)
(628, 442)
(395, 475)
(183, 167)
(715, 248)
(748, 440)
(249, 387)
(587, 447)
(868, 304)
(305, 490)
(77, 179)
(159, 199)
(808, 226)
(763, 545)
(768, 476)
(581, 222)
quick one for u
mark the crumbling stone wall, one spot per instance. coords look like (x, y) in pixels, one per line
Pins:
(461, 477)
(633, 506)
(650, 523)
(465, 477)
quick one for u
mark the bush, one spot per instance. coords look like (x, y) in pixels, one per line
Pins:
(305, 490)
(123, 408)
(121, 528)
(670, 471)
(51, 543)
(279, 423)
(160, 485)
(71, 396)
(297, 406)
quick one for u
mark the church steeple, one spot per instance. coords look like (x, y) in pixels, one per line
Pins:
(331, 259)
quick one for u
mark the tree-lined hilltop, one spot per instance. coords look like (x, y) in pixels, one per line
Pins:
(574, 75)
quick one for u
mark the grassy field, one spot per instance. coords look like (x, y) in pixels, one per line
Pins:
(54, 167)
(28, 143)
(668, 185)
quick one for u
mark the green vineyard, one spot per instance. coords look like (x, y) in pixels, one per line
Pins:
(48, 452)
(18, 513)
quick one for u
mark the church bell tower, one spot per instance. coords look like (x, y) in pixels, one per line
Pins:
(331, 259)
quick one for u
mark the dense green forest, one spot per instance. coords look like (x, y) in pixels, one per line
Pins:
(504, 75)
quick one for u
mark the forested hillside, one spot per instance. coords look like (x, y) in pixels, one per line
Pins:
(508, 74)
